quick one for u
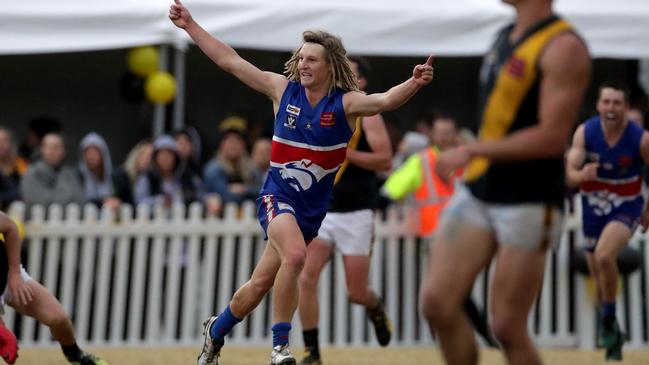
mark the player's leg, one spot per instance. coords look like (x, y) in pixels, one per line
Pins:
(357, 268)
(515, 286)
(463, 245)
(524, 233)
(46, 309)
(614, 237)
(285, 236)
(244, 300)
(318, 254)
(355, 238)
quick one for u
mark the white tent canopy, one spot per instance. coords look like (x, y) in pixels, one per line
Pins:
(618, 29)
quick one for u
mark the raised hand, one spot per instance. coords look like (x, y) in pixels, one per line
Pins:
(449, 161)
(589, 172)
(179, 14)
(423, 74)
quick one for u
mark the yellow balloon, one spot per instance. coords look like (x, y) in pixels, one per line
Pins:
(160, 87)
(143, 61)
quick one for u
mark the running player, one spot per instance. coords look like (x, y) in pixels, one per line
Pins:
(31, 299)
(316, 105)
(606, 160)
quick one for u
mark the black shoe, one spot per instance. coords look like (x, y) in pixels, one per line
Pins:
(613, 340)
(311, 358)
(382, 325)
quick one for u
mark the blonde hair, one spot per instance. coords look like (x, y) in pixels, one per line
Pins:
(342, 75)
(130, 165)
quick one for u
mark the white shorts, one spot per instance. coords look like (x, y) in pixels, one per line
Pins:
(352, 233)
(5, 291)
(529, 225)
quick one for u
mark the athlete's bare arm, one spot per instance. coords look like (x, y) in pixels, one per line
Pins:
(565, 66)
(358, 104)
(576, 171)
(380, 156)
(268, 83)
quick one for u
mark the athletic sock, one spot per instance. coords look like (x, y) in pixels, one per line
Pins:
(280, 333)
(311, 341)
(608, 315)
(223, 324)
(72, 352)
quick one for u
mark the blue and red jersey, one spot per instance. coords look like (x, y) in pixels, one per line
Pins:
(309, 145)
(617, 192)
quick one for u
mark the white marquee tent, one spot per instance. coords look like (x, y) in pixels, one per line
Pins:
(618, 29)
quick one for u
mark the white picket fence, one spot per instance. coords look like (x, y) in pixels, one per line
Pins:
(153, 279)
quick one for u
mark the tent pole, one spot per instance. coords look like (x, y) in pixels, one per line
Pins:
(159, 110)
(180, 49)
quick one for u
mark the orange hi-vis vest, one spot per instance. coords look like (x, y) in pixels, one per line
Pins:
(433, 193)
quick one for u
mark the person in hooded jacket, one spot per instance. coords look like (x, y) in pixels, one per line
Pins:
(102, 184)
(167, 181)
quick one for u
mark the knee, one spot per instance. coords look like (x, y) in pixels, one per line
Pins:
(604, 261)
(309, 278)
(437, 308)
(294, 259)
(506, 330)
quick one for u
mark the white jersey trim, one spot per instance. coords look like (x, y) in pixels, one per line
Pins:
(308, 146)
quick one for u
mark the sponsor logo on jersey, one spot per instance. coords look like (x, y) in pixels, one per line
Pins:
(516, 67)
(292, 109)
(327, 119)
(290, 121)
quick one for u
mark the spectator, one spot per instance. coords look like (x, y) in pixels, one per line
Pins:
(38, 128)
(101, 185)
(137, 161)
(261, 160)
(188, 142)
(12, 167)
(49, 180)
(167, 182)
(230, 173)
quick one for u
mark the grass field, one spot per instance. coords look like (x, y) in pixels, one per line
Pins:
(347, 356)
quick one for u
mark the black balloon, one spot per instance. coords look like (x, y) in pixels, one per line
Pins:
(628, 261)
(131, 88)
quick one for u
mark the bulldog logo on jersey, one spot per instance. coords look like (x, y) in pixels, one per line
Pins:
(301, 175)
(290, 121)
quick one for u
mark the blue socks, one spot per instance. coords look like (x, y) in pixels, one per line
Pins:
(226, 321)
(608, 309)
(223, 324)
(280, 333)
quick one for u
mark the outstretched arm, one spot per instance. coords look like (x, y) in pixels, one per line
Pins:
(358, 104)
(268, 83)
